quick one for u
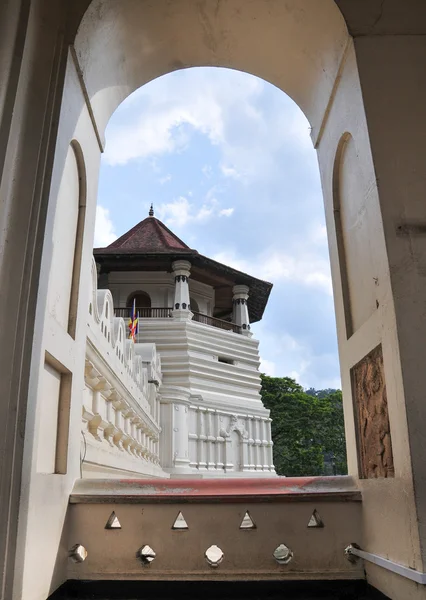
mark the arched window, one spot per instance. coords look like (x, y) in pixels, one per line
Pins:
(143, 300)
(194, 305)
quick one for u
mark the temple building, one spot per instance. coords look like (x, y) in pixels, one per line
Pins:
(197, 409)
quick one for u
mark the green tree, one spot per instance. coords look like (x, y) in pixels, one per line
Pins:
(307, 428)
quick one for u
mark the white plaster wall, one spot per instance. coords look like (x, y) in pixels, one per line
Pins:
(360, 198)
(204, 401)
(189, 357)
(358, 234)
(204, 296)
(159, 286)
(120, 411)
(311, 42)
(63, 242)
(45, 495)
(49, 405)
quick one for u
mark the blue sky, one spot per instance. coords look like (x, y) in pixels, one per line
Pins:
(227, 160)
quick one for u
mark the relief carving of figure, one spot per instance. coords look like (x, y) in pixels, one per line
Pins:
(375, 447)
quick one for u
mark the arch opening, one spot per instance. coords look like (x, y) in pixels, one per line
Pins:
(302, 42)
(140, 299)
(268, 245)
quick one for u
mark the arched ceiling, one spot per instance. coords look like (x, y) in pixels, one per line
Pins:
(295, 44)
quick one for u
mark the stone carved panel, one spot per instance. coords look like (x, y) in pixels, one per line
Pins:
(372, 418)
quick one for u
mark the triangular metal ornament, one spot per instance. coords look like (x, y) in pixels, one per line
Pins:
(247, 522)
(180, 522)
(113, 522)
(315, 520)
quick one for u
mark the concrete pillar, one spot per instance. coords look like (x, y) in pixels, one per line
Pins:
(32, 71)
(181, 307)
(394, 91)
(240, 308)
(202, 458)
(374, 189)
(270, 447)
(175, 430)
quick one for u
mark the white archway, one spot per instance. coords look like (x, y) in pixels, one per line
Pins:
(301, 46)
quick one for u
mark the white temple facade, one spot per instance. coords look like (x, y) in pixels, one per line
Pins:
(192, 404)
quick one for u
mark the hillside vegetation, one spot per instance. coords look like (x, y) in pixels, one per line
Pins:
(307, 428)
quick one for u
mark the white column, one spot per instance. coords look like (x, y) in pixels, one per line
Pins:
(250, 442)
(202, 460)
(181, 309)
(257, 441)
(246, 445)
(219, 444)
(211, 439)
(270, 447)
(240, 308)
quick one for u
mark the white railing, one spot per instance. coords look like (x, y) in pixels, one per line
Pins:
(121, 406)
(224, 442)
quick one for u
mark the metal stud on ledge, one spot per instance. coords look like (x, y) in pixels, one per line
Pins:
(214, 556)
(282, 554)
(180, 523)
(247, 523)
(113, 522)
(315, 520)
(78, 553)
(146, 554)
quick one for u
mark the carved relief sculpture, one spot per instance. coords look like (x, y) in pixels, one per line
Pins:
(371, 413)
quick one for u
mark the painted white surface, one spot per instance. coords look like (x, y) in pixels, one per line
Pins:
(63, 242)
(302, 46)
(120, 418)
(213, 422)
(49, 404)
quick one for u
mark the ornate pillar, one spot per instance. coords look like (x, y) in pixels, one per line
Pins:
(240, 314)
(251, 442)
(181, 307)
(175, 430)
(257, 442)
(211, 440)
(270, 447)
(246, 444)
(202, 460)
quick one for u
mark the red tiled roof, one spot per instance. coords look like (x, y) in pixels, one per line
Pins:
(150, 235)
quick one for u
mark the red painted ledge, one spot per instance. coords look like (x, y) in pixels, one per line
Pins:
(342, 488)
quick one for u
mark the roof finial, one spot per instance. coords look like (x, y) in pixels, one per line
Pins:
(151, 210)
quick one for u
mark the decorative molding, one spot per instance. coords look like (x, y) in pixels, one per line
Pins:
(235, 425)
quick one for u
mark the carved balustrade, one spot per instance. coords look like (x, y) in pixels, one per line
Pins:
(120, 401)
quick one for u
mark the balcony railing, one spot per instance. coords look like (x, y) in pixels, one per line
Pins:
(219, 323)
(165, 313)
(144, 313)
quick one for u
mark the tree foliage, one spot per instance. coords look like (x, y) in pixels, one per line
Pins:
(307, 428)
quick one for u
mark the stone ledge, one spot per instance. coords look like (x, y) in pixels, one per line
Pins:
(273, 489)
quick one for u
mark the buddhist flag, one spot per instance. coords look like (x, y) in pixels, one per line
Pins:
(133, 322)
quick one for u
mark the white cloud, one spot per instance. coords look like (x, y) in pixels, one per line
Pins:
(235, 141)
(274, 265)
(283, 355)
(181, 211)
(226, 212)
(228, 171)
(165, 179)
(223, 105)
(207, 171)
(104, 228)
(267, 367)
